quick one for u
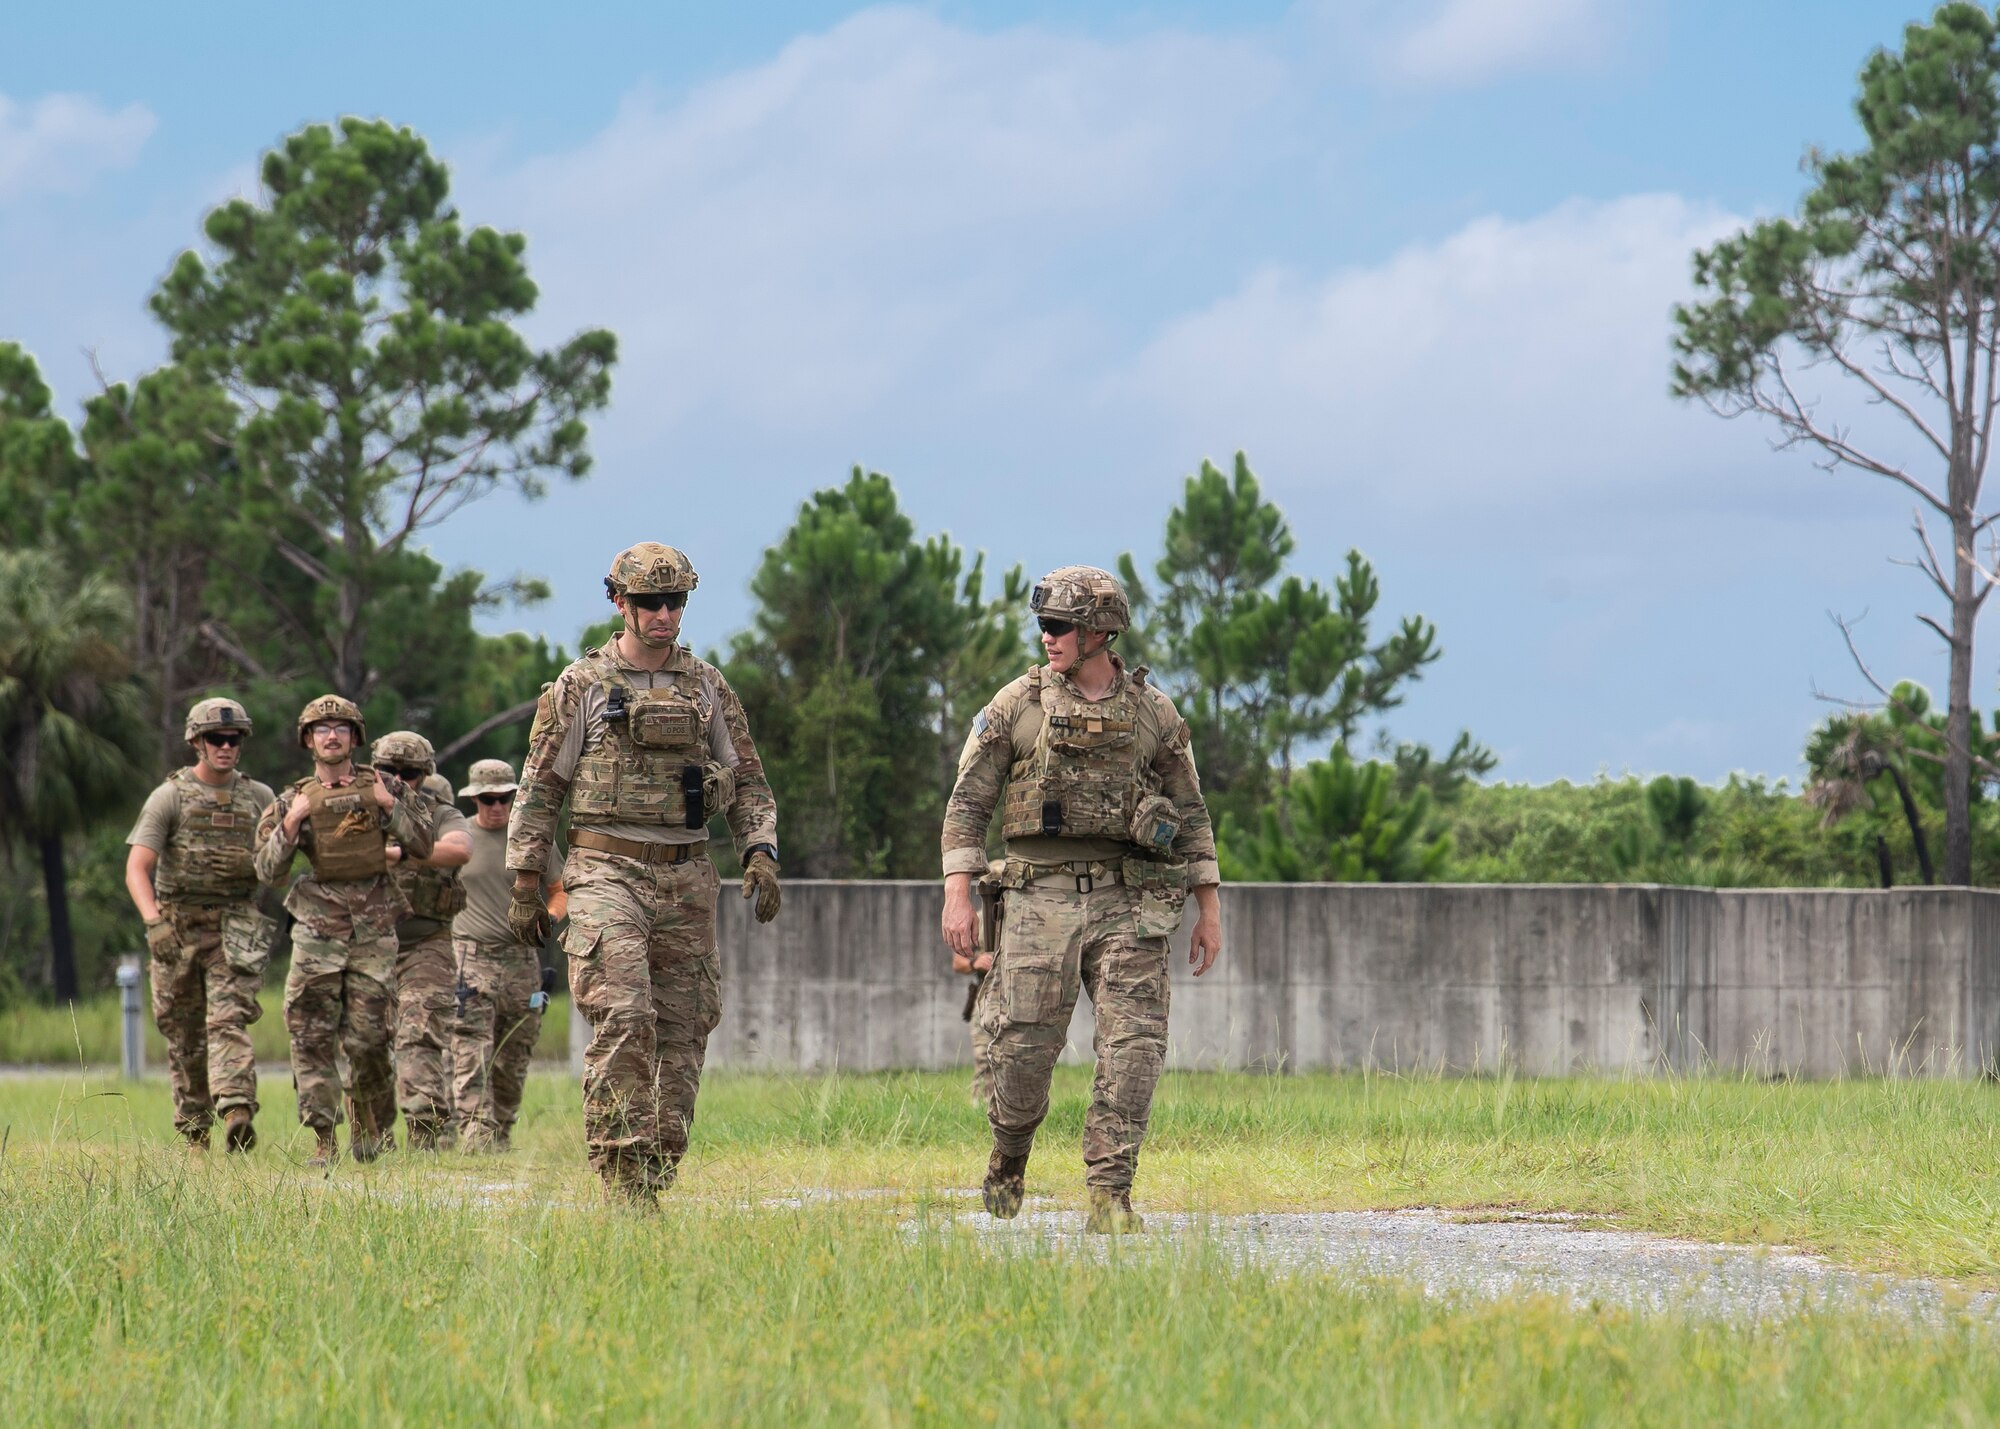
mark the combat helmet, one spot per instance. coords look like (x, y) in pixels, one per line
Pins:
(438, 787)
(408, 748)
(331, 707)
(212, 716)
(650, 568)
(1089, 598)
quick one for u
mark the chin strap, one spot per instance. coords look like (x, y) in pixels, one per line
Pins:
(632, 628)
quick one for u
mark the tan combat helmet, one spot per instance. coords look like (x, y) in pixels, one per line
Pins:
(1089, 598)
(650, 569)
(214, 716)
(407, 748)
(438, 787)
(331, 707)
(489, 776)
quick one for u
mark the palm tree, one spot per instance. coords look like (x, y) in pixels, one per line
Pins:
(74, 732)
(1846, 754)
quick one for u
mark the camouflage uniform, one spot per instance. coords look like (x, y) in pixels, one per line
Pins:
(1106, 830)
(209, 949)
(426, 977)
(493, 1034)
(617, 743)
(340, 996)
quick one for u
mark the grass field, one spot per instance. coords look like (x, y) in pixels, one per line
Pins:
(87, 1033)
(136, 1286)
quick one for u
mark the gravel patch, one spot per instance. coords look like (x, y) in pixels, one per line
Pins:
(1450, 1254)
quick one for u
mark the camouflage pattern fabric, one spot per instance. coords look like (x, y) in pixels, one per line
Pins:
(1055, 941)
(492, 1037)
(426, 1000)
(340, 1003)
(569, 724)
(644, 970)
(204, 1008)
(982, 1046)
(340, 996)
(1006, 734)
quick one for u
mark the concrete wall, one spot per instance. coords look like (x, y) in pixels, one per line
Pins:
(1546, 978)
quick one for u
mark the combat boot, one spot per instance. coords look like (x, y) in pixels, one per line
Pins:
(1006, 1184)
(627, 1187)
(364, 1142)
(241, 1132)
(1111, 1213)
(423, 1134)
(197, 1139)
(327, 1149)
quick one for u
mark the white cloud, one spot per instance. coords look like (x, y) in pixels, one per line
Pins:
(1511, 359)
(1471, 41)
(798, 241)
(59, 142)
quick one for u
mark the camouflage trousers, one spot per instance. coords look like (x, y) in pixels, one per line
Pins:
(982, 1046)
(644, 971)
(426, 999)
(492, 1037)
(204, 1008)
(340, 1002)
(1055, 941)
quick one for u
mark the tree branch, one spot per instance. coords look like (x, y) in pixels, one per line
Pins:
(486, 726)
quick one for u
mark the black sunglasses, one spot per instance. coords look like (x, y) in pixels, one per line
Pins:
(408, 773)
(491, 799)
(222, 741)
(1057, 628)
(672, 600)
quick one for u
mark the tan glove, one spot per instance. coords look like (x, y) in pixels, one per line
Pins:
(760, 876)
(160, 937)
(528, 914)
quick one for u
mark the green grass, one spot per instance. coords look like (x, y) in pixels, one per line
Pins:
(136, 1286)
(86, 1033)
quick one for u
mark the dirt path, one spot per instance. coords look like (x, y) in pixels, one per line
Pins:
(1449, 1253)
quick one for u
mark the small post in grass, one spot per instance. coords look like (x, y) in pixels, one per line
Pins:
(131, 1042)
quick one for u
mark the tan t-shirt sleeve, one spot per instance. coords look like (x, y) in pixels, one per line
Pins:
(155, 828)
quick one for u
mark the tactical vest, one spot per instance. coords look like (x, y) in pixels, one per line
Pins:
(209, 857)
(350, 842)
(1087, 773)
(655, 765)
(434, 893)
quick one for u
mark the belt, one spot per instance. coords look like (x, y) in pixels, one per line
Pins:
(1081, 876)
(632, 848)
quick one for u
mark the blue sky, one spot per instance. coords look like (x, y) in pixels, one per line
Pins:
(1036, 261)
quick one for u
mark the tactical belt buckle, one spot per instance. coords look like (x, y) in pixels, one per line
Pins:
(1084, 882)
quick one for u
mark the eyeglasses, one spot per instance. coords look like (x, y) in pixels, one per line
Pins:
(408, 773)
(327, 726)
(222, 741)
(672, 600)
(489, 800)
(1057, 628)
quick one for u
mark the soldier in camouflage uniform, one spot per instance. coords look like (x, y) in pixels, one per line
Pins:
(191, 878)
(499, 976)
(425, 976)
(1106, 834)
(340, 997)
(645, 743)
